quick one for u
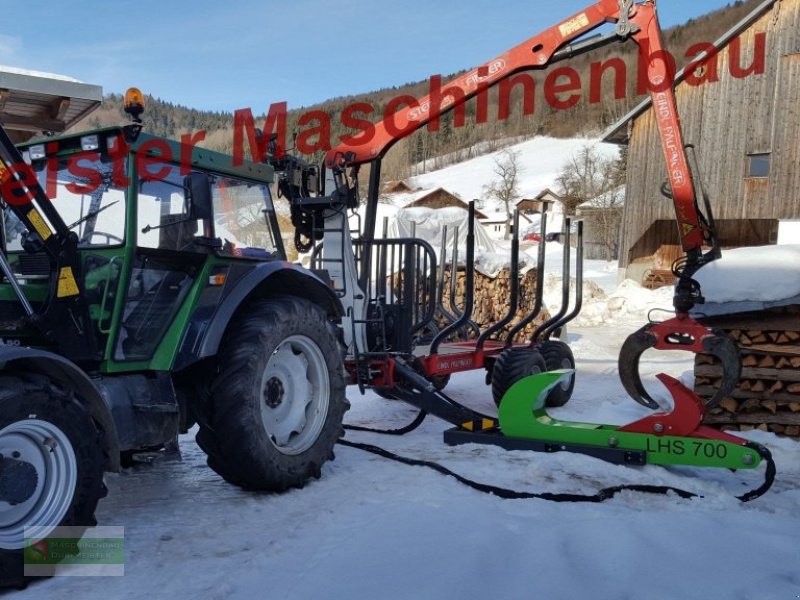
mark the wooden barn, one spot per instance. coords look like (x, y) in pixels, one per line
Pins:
(741, 110)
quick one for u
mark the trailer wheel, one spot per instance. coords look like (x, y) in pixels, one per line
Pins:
(277, 403)
(558, 355)
(55, 475)
(511, 366)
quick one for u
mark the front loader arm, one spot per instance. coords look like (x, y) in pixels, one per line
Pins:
(26, 198)
(64, 319)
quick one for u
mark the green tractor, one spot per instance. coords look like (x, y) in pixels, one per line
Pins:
(145, 289)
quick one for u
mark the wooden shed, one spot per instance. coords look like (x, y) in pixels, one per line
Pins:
(741, 110)
(546, 198)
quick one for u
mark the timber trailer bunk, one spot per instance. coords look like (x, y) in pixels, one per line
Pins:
(321, 198)
(407, 317)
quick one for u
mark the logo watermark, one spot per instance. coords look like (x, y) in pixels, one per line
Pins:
(563, 88)
(74, 551)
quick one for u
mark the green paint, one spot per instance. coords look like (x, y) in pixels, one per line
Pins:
(523, 415)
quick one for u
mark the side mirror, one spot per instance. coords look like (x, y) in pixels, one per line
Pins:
(197, 187)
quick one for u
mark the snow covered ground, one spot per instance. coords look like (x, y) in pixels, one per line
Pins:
(375, 529)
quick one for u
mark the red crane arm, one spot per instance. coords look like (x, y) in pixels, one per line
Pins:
(638, 21)
(532, 53)
(665, 108)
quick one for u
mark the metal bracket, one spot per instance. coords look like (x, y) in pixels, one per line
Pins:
(624, 25)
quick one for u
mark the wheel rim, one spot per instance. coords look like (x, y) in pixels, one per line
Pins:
(295, 395)
(49, 450)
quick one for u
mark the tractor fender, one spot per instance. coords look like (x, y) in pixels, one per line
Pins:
(68, 374)
(204, 333)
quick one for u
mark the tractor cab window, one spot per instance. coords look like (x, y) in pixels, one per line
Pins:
(243, 217)
(163, 218)
(160, 280)
(87, 197)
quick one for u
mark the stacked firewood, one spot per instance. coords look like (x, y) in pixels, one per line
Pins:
(768, 394)
(492, 299)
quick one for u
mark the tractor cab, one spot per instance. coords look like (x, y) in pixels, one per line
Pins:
(152, 225)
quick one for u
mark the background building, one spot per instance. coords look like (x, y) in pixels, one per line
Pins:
(741, 111)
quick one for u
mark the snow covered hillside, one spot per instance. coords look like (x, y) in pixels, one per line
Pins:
(541, 158)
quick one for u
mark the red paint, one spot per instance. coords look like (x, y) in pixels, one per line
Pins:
(562, 80)
(74, 167)
(244, 125)
(684, 420)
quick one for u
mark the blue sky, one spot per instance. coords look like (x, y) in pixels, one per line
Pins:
(226, 55)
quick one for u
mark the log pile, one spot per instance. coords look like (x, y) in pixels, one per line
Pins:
(768, 394)
(660, 275)
(492, 297)
(658, 278)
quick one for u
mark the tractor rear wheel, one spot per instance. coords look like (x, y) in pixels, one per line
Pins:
(276, 406)
(511, 366)
(558, 355)
(55, 473)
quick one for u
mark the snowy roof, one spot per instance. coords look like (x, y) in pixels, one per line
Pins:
(418, 198)
(33, 101)
(40, 74)
(545, 193)
(396, 186)
(401, 199)
(618, 132)
(750, 279)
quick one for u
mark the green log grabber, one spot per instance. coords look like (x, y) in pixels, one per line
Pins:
(676, 437)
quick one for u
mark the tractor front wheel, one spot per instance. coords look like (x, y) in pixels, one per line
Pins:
(51, 466)
(277, 403)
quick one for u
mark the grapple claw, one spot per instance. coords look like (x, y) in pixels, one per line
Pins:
(679, 334)
(635, 345)
(726, 351)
